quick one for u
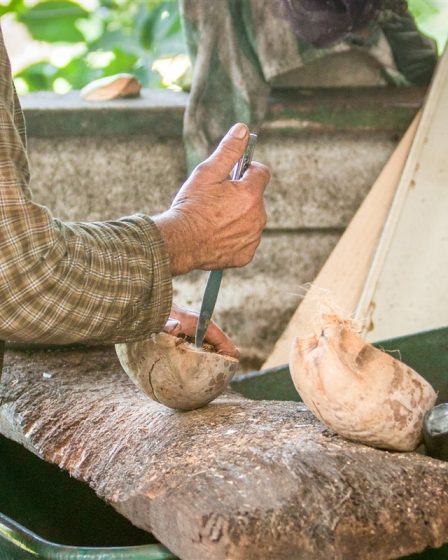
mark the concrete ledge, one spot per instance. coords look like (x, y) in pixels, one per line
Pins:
(368, 108)
(155, 113)
(160, 113)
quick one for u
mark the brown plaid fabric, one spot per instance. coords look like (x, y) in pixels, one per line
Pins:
(64, 282)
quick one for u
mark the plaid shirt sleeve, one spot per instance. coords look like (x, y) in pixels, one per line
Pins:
(64, 282)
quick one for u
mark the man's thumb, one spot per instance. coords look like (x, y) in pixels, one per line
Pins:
(230, 150)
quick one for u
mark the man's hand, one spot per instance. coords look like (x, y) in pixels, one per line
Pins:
(214, 222)
(184, 321)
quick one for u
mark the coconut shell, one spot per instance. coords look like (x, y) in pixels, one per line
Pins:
(174, 372)
(359, 391)
(112, 87)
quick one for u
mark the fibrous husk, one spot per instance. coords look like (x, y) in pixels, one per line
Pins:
(174, 372)
(357, 390)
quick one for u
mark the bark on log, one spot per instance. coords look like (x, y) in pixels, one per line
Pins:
(236, 479)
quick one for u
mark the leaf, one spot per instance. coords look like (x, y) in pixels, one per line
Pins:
(13, 6)
(111, 4)
(110, 40)
(422, 9)
(39, 76)
(122, 62)
(431, 17)
(170, 46)
(150, 25)
(54, 21)
(135, 32)
(161, 31)
(78, 72)
(142, 73)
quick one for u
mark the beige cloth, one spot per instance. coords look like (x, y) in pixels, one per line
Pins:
(65, 282)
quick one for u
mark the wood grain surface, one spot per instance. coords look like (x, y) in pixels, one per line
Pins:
(238, 479)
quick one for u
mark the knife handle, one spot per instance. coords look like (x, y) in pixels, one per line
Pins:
(242, 165)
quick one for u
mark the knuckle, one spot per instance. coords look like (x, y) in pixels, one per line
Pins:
(261, 172)
(232, 149)
(201, 168)
(264, 217)
(242, 260)
(265, 171)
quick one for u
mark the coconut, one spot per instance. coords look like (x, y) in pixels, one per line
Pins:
(174, 372)
(112, 87)
(357, 390)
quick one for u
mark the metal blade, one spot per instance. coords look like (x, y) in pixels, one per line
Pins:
(208, 305)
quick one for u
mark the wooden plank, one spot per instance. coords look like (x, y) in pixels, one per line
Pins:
(235, 480)
(405, 290)
(342, 278)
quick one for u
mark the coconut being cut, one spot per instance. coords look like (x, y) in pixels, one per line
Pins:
(174, 372)
(170, 369)
(359, 391)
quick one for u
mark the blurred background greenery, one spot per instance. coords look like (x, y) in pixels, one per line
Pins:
(65, 44)
(88, 39)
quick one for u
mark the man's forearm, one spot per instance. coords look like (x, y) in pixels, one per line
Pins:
(63, 282)
(179, 241)
(103, 282)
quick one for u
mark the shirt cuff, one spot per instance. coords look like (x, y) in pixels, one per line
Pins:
(154, 307)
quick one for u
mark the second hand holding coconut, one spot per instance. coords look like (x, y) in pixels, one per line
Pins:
(166, 367)
(215, 276)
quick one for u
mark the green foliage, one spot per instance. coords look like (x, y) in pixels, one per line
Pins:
(54, 21)
(422, 9)
(432, 19)
(40, 76)
(130, 35)
(116, 36)
(13, 6)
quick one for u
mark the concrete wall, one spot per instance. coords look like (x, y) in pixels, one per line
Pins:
(325, 148)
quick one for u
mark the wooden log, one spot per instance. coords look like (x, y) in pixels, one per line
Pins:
(238, 479)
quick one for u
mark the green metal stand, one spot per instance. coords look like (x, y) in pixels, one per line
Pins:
(426, 352)
(47, 514)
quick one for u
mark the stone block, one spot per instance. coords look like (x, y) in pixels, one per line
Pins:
(319, 178)
(102, 178)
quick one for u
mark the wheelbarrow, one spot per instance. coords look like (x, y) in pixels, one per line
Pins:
(46, 514)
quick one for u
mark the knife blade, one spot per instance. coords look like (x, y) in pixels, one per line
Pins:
(215, 276)
(2, 354)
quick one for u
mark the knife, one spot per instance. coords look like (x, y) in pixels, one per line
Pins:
(215, 276)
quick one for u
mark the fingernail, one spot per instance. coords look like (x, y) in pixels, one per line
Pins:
(171, 325)
(238, 130)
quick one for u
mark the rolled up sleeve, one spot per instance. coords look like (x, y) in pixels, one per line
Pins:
(63, 282)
